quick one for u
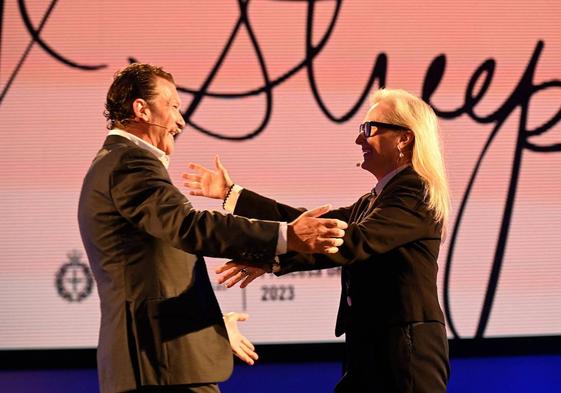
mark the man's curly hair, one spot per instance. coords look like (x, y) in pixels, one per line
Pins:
(134, 81)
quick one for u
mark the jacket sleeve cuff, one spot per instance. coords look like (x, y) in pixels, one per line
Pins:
(232, 198)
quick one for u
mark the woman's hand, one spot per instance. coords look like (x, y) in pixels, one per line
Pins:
(233, 272)
(208, 183)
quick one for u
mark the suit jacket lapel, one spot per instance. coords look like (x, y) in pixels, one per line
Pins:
(387, 188)
(405, 172)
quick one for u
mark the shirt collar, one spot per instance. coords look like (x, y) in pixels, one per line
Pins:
(160, 155)
(383, 181)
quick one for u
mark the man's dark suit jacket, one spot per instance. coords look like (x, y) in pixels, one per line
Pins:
(389, 255)
(160, 321)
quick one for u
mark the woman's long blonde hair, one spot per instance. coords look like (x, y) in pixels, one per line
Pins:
(427, 158)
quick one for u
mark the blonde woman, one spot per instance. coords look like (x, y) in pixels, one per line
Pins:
(390, 250)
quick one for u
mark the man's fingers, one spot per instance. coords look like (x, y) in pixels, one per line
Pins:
(333, 223)
(248, 345)
(243, 356)
(248, 348)
(330, 242)
(329, 246)
(318, 211)
(196, 193)
(332, 232)
(251, 354)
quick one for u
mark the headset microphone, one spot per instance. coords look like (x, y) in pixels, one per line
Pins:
(157, 125)
(147, 122)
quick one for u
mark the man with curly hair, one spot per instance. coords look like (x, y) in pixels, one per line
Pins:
(161, 326)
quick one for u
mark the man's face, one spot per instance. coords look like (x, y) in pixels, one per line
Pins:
(379, 151)
(165, 116)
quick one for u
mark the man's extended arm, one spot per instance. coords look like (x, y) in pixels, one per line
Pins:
(145, 196)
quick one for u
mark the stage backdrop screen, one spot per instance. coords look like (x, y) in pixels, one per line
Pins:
(278, 89)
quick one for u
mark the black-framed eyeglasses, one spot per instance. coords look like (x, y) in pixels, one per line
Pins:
(367, 129)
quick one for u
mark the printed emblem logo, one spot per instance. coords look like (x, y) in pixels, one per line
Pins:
(74, 281)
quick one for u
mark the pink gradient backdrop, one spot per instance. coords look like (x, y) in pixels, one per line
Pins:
(51, 126)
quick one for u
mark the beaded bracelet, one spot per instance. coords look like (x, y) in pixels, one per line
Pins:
(227, 196)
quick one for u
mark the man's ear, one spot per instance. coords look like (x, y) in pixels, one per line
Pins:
(141, 109)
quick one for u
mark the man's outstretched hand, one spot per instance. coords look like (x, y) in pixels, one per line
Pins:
(309, 234)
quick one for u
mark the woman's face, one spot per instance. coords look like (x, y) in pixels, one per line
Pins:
(380, 150)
